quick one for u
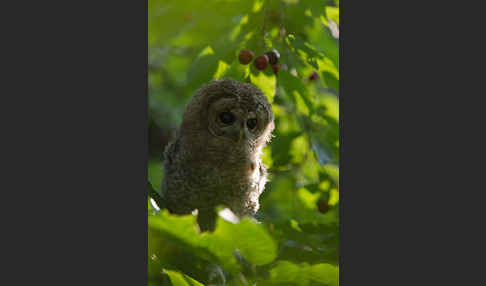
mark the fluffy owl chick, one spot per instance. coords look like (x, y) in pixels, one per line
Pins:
(215, 157)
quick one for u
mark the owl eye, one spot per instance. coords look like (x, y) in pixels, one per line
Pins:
(251, 123)
(227, 117)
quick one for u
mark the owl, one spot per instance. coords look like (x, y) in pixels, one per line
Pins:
(215, 156)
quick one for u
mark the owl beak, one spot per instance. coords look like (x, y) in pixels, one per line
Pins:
(240, 136)
(237, 133)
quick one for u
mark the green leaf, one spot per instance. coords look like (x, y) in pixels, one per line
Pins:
(237, 71)
(324, 273)
(288, 272)
(332, 13)
(180, 279)
(331, 81)
(155, 174)
(203, 67)
(266, 83)
(221, 70)
(323, 151)
(297, 91)
(182, 227)
(250, 238)
(281, 145)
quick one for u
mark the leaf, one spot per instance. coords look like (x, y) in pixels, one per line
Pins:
(155, 174)
(323, 153)
(181, 227)
(180, 279)
(326, 274)
(331, 80)
(331, 45)
(287, 272)
(324, 132)
(307, 198)
(306, 48)
(222, 68)
(266, 83)
(281, 145)
(203, 67)
(332, 13)
(250, 238)
(293, 86)
(237, 71)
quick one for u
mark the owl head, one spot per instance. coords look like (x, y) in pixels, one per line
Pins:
(235, 112)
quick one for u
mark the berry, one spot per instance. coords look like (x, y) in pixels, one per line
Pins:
(278, 67)
(245, 57)
(273, 57)
(313, 76)
(261, 62)
(275, 68)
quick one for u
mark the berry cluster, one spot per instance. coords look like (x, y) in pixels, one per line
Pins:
(261, 62)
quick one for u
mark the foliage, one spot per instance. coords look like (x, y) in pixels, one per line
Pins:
(296, 240)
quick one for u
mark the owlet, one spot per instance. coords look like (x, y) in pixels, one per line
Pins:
(215, 157)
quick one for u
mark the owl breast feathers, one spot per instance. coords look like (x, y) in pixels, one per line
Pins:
(215, 157)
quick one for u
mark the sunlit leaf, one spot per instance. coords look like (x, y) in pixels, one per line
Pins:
(180, 279)
(249, 238)
(333, 14)
(287, 272)
(222, 68)
(266, 83)
(324, 273)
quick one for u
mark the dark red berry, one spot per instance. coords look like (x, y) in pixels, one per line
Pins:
(323, 206)
(313, 76)
(261, 62)
(275, 68)
(273, 57)
(245, 57)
